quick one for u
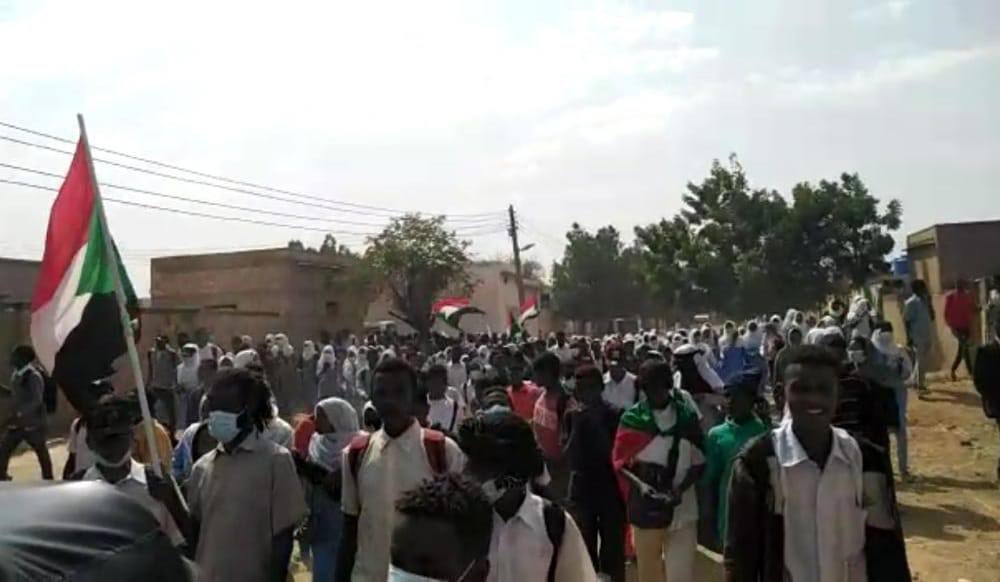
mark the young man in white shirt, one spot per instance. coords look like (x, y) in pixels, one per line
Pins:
(445, 413)
(619, 385)
(533, 539)
(380, 467)
(808, 502)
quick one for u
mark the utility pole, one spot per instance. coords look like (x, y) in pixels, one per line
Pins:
(518, 277)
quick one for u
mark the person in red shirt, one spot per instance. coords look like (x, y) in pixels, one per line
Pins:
(548, 420)
(523, 393)
(959, 311)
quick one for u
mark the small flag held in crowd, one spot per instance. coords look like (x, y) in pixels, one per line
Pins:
(451, 309)
(529, 310)
(75, 322)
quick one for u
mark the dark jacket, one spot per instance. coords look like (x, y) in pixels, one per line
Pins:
(591, 436)
(28, 389)
(754, 545)
(986, 376)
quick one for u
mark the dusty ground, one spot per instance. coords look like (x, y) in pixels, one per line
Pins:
(951, 513)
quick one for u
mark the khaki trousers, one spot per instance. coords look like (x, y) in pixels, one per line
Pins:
(666, 556)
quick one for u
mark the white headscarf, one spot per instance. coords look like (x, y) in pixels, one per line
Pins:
(860, 317)
(245, 358)
(284, 346)
(308, 349)
(326, 357)
(325, 449)
(187, 370)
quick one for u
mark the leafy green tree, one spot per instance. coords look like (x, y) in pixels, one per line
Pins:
(745, 251)
(597, 277)
(414, 259)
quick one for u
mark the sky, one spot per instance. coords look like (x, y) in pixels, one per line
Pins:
(589, 112)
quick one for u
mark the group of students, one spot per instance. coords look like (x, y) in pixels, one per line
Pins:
(508, 459)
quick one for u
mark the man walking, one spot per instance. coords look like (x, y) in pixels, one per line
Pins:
(917, 317)
(959, 311)
(27, 422)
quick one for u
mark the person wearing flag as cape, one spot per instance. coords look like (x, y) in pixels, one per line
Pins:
(657, 453)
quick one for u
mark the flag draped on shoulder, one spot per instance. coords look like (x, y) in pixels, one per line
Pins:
(529, 310)
(637, 428)
(75, 323)
(451, 309)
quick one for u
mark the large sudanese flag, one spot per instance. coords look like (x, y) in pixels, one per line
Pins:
(75, 322)
(451, 309)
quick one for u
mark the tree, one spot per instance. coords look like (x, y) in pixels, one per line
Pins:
(414, 259)
(597, 277)
(532, 269)
(745, 251)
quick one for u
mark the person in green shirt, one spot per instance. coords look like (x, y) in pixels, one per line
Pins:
(726, 440)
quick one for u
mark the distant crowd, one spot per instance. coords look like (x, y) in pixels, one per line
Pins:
(508, 458)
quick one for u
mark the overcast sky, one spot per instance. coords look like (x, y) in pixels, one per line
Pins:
(596, 112)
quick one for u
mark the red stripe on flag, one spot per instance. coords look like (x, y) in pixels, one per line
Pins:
(69, 224)
(529, 302)
(450, 302)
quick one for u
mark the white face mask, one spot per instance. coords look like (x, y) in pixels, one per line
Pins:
(113, 463)
(398, 575)
(856, 357)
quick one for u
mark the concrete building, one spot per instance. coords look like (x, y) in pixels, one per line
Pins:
(302, 293)
(494, 291)
(940, 255)
(17, 280)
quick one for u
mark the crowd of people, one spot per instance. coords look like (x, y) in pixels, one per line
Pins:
(517, 459)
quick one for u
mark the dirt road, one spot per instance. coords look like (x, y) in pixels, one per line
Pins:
(951, 513)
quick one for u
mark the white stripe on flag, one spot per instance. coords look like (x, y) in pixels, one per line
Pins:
(53, 322)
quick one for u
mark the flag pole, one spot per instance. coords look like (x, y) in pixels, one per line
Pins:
(126, 322)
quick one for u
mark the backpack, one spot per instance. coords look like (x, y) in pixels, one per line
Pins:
(555, 527)
(433, 445)
(50, 393)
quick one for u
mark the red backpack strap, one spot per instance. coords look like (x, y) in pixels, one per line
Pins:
(435, 447)
(356, 450)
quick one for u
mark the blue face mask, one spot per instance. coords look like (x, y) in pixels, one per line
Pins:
(223, 426)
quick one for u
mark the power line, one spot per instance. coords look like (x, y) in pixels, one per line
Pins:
(228, 206)
(200, 214)
(456, 217)
(311, 204)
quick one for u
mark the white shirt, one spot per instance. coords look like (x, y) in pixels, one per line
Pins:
(823, 509)
(134, 485)
(688, 456)
(619, 395)
(389, 468)
(446, 413)
(279, 432)
(564, 353)
(520, 550)
(456, 374)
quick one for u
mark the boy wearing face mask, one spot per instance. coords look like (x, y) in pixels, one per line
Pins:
(244, 496)
(443, 532)
(532, 539)
(109, 438)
